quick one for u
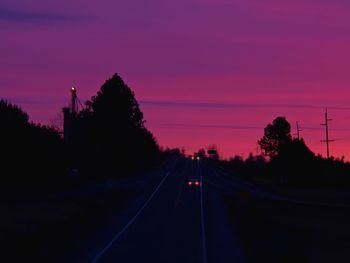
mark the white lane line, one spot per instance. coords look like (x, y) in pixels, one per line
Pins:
(118, 235)
(204, 240)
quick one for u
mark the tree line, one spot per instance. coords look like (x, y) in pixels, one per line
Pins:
(30, 153)
(107, 138)
(287, 160)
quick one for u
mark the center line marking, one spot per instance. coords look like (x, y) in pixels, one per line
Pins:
(204, 241)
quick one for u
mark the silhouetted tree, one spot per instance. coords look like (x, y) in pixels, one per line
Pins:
(12, 116)
(14, 124)
(294, 163)
(276, 136)
(201, 153)
(115, 136)
(30, 153)
(250, 168)
(167, 152)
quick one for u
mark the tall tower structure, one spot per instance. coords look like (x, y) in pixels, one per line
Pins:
(70, 114)
(74, 101)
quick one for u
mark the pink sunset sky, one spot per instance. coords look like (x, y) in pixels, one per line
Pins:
(205, 72)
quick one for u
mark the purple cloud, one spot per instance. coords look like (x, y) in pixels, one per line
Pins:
(35, 17)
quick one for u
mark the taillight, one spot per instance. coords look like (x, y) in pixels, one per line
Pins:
(189, 183)
(196, 183)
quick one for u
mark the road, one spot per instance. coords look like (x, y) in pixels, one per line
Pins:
(154, 216)
(175, 222)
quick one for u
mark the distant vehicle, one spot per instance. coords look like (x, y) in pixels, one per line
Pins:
(195, 157)
(192, 182)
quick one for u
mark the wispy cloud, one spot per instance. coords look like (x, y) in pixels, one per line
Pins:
(227, 105)
(186, 126)
(208, 126)
(35, 101)
(33, 17)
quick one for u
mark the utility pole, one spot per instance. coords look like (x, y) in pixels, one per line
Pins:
(327, 141)
(298, 131)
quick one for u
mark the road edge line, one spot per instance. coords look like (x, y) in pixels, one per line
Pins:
(131, 221)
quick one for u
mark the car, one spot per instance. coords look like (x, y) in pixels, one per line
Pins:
(192, 182)
(195, 157)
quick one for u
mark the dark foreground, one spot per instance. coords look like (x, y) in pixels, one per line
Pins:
(287, 232)
(157, 217)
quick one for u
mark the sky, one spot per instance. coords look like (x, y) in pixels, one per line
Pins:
(204, 72)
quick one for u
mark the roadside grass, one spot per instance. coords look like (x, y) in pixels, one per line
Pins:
(275, 231)
(43, 229)
(329, 195)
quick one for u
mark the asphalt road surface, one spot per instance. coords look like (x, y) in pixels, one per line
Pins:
(156, 216)
(175, 222)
